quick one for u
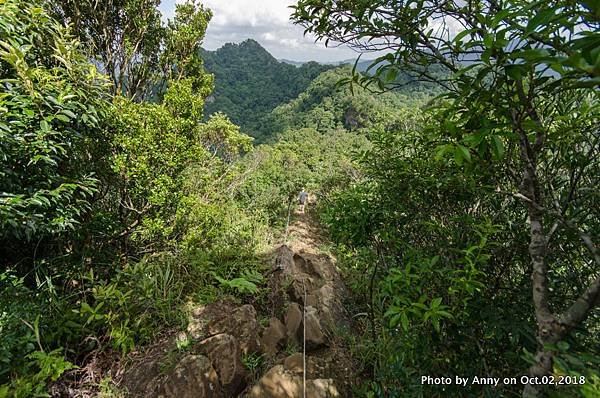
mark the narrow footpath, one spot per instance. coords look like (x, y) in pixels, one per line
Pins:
(307, 288)
(302, 350)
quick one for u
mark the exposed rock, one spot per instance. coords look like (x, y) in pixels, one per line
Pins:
(273, 337)
(352, 119)
(293, 319)
(279, 383)
(315, 337)
(310, 279)
(320, 265)
(219, 334)
(312, 300)
(303, 265)
(192, 377)
(321, 388)
(295, 274)
(141, 377)
(224, 353)
(284, 259)
(225, 317)
(304, 277)
(330, 308)
(294, 363)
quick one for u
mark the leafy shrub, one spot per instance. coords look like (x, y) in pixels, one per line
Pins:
(429, 255)
(50, 110)
(49, 367)
(140, 301)
(18, 340)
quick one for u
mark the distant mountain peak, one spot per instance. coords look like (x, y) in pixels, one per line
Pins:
(250, 42)
(246, 45)
(250, 82)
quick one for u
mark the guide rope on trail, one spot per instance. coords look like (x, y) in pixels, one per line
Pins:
(307, 303)
(304, 341)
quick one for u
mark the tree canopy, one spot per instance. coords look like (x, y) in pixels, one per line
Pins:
(519, 72)
(131, 44)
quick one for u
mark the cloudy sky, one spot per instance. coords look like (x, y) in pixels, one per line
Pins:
(266, 21)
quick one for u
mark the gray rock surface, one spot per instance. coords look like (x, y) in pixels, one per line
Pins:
(224, 317)
(315, 337)
(280, 383)
(273, 337)
(192, 377)
(225, 355)
(293, 319)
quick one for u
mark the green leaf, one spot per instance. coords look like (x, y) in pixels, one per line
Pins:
(404, 321)
(497, 147)
(513, 71)
(68, 113)
(44, 126)
(463, 34)
(464, 152)
(500, 16)
(541, 19)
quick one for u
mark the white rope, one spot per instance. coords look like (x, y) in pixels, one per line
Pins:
(304, 342)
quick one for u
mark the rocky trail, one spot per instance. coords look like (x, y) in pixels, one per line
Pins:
(229, 354)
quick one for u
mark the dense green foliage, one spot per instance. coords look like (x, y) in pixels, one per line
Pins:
(250, 83)
(328, 107)
(499, 183)
(137, 50)
(46, 84)
(450, 269)
(96, 198)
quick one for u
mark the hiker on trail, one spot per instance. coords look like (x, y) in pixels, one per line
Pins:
(302, 198)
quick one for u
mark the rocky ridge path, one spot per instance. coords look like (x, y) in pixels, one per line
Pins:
(306, 299)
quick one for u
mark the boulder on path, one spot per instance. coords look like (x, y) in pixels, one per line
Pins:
(192, 377)
(280, 383)
(294, 275)
(293, 319)
(315, 337)
(294, 363)
(273, 337)
(224, 353)
(331, 310)
(224, 317)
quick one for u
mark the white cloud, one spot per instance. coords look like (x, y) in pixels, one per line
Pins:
(274, 13)
(266, 21)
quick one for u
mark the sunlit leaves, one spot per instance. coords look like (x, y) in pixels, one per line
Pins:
(154, 147)
(48, 125)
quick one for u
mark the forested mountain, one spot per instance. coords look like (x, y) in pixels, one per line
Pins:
(250, 82)
(265, 96)
(326, 106)
(450, 243)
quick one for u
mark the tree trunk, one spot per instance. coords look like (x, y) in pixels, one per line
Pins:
(538, 245)
(545, 320)
(551, 328)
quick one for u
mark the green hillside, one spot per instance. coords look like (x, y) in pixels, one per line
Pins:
(327, 106)
(250, 82)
